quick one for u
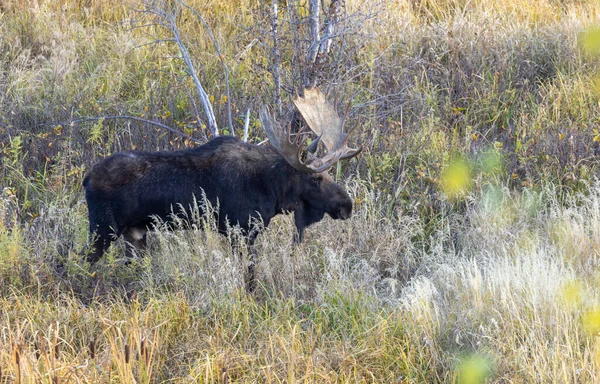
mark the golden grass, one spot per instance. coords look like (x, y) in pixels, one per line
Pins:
(508, 301)
(484, 271)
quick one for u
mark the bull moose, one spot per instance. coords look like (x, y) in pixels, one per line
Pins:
(246, 182)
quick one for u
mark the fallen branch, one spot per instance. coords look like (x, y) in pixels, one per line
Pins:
(134, 118)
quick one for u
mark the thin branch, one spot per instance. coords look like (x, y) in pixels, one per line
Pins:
(221, 59)
(135, 26)
(276, 60)
(156, 41)
(240, 55)
(134, 118)
(208, 109)
(246, 125)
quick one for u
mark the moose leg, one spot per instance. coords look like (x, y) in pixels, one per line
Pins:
(100, 240)
(300, 221)
(102, 229)
(252, 251)
(135, 238)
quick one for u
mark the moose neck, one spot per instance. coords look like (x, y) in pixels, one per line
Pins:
(290, 184)
(287, 183)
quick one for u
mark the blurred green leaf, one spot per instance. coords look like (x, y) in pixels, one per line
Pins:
(590, 41)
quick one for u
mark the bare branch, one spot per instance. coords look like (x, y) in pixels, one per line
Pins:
(166, 15)
(221, 59)
(314, 9)
(208, 109)
(276, 60)
(155, 41)
(246, 125)
(134, 118)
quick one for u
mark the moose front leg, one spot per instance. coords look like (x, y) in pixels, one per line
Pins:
(300, 221)
(100, 241)
(303, 217)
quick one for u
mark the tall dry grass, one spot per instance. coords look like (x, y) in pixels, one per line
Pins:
(508, 290)
(498, 283)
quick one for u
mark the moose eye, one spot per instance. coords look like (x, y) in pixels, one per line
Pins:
(316, 180)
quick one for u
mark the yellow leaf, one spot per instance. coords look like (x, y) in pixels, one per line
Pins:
(591, 321)
(474, 370)
(456, 178)
(590, 41)
(571, 293)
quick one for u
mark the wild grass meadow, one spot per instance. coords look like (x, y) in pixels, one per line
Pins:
(473, 252)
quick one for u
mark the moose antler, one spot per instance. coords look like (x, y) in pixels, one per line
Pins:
(323, 120)
(280, 138)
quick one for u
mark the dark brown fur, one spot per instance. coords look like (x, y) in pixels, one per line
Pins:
(248, 183)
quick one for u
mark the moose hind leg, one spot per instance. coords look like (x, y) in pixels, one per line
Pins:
(135, 238)
(253, 253)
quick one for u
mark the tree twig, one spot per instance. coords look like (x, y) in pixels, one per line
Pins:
(276, 60)
(221, 59)
(246, 125)
(134, 118)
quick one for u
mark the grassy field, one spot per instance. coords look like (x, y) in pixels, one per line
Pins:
(473, 252)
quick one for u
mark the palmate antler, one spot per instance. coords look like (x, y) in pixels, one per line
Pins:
(324, 121)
